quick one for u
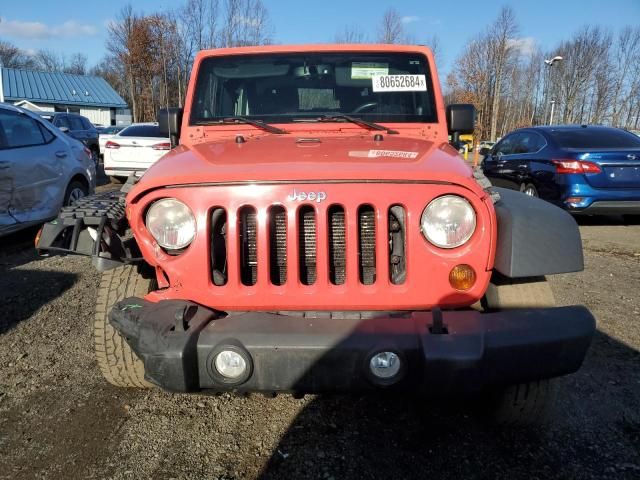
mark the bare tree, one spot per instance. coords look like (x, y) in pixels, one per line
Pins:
(12, 57)
(350, 34)
(246, 23)
(391, 29)
(500, 43)
(76, 64)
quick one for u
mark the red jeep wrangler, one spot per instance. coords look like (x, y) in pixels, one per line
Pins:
(314, 231)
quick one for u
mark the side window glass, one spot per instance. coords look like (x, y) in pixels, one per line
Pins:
(46, 133)
(522, 143)
(62, 121)
(505, 147)
(76, 124)
(20, 130)
(86, 123)
(538, 142)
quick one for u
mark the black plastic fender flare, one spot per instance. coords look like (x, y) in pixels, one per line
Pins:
(535, 237)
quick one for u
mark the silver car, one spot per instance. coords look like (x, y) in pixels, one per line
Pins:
(41, 169)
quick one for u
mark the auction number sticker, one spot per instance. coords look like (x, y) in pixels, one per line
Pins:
(367, 70)
(399, 83)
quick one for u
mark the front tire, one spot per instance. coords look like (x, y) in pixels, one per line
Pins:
(118, 364)
(524, 403)
(75, 191)
(529, 189)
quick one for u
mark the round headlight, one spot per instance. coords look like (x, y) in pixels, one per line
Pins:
(448, 221)
(171, 223)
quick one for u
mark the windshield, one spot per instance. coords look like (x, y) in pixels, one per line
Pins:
(284, 88)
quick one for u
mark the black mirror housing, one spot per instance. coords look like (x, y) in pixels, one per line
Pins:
(484, 151)
(461, 118)
(170, 122)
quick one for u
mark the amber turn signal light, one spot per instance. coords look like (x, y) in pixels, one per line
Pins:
(462, 277)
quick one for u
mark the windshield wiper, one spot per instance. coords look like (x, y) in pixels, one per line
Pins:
(248, 121)
(357, 121)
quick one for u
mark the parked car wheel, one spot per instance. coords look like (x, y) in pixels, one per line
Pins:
(119, 365)
(529, 189)
(524, 403)
(75, 191)
(117, 180)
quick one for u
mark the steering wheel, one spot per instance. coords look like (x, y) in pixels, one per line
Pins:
(365, 106)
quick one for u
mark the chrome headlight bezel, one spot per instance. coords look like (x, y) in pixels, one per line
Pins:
(186, 220)
(434, 207)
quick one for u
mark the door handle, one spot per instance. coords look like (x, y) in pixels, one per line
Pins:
(61, 154)
(4, 165)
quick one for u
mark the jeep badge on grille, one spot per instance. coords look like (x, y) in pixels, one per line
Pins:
(311, 196)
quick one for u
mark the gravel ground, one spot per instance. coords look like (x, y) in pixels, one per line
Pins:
(59, 419)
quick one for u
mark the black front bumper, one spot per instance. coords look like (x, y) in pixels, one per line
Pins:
(466, 351)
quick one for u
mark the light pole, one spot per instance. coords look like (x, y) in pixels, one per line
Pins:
(549, 63)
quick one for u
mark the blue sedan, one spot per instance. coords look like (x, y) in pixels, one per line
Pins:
(583, 169)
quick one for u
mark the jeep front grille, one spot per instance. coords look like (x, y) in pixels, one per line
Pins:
(310, 240)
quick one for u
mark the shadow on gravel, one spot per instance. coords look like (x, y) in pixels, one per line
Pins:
(22, 292)
(593, 432)
(599, 220)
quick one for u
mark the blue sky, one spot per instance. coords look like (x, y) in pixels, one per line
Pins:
(70, 26)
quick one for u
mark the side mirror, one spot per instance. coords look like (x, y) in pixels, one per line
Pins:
(64, 129)
(484, 151)
(461, 118)
(170, 122)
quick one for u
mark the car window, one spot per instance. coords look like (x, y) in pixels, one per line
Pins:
(76, 123)
(20, 130)
(86, 123)
(528, 142)
(46, 133)
(141, 131)
(595, 138)
(505, 146)
(61, 121)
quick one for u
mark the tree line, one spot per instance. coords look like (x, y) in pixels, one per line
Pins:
(507, 79)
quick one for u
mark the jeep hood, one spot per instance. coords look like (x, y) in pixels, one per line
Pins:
(293, 158)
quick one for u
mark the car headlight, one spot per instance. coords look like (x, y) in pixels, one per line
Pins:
(448, 221)
(171, 223)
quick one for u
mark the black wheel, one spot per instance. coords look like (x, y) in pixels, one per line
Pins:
(75, 191)
(525, 403)
(529, 189)
(119, 365)
(520, 405)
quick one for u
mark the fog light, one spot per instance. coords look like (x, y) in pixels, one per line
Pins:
(230, 364)
(462, 277)
(385, 365)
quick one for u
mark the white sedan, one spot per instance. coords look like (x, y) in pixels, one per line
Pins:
(105, 134)
(134, 149)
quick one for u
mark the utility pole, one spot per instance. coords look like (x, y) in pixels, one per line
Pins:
(549, 63)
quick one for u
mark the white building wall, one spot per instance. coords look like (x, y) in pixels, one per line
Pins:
(101, 116)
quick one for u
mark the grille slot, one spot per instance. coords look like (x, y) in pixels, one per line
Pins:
(337, 245)
(307, 245)
(278, 245)
(248, 246)
(367, 244)
(397, 245)
(219, 246)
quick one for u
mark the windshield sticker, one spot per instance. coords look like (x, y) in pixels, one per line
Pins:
(367, 70)
(383, 153)
(399, 83)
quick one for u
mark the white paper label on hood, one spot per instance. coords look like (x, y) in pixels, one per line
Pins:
(367, 70)
(399, 83)
(392, 153)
